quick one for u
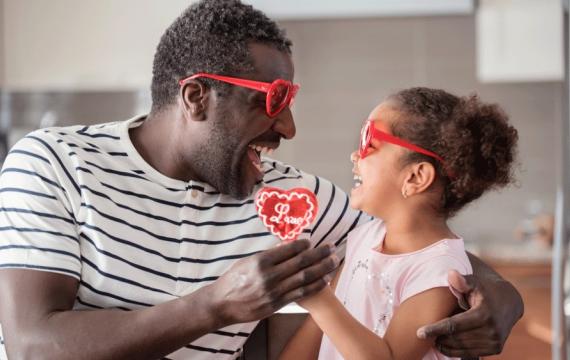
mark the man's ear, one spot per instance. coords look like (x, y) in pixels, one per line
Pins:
(194, 100)
(418, 179)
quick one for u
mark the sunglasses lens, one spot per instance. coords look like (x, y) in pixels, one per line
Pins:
(277, 97)
(364, 138)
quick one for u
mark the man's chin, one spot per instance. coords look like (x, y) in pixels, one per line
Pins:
(246, 184)
(239, 195)
(245, 192)
(241, 184)
(240, 190)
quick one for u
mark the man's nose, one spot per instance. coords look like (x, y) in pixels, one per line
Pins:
(284, 124)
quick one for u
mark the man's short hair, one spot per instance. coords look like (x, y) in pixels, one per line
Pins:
(210, 36)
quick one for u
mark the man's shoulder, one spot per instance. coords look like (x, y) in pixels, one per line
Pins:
(84, 134)
(62, 148)
(66, 139)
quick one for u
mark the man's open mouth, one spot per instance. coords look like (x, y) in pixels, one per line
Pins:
(255, 151)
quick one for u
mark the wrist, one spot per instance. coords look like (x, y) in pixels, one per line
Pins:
(328, 310)
(320, 301)
(213, 309)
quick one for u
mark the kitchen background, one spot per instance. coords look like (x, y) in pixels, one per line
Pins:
(65, 62)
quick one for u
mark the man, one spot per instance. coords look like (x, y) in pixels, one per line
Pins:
(139, 239)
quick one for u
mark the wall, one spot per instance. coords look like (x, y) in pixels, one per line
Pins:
(85, 45)
(108, 45)
(346, 67)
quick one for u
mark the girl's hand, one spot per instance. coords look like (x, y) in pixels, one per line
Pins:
(314, 302)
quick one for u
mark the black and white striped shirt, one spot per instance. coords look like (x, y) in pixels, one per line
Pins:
(81, 201)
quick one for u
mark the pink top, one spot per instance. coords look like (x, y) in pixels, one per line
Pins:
(373, 285)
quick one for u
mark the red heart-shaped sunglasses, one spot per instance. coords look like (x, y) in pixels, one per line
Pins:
(369, 132)
(280, 93)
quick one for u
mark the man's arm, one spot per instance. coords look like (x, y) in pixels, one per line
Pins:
(38, 321)
(494, 308)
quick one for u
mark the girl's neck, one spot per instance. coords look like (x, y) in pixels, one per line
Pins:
(405, 234)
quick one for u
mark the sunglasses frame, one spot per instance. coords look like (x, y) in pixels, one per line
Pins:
(265, 87)
(374, 133)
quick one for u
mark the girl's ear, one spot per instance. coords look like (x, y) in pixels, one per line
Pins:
(419, 177)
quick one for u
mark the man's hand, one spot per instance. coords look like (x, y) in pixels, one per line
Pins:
(257, 286)
(495, 306)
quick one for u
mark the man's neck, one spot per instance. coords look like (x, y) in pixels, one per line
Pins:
(157, 141)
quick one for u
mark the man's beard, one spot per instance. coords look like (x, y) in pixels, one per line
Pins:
(221, 162)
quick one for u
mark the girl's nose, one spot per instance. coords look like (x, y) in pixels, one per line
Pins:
(354, 157)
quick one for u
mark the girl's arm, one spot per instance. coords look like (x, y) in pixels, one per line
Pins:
(354, 341)
(305, 343)
(494, 308)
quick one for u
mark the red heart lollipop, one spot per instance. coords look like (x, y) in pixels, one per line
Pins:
(286, 213)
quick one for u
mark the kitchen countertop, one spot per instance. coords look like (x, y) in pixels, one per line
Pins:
(520, 252)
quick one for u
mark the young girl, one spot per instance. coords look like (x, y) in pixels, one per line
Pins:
(423, 155)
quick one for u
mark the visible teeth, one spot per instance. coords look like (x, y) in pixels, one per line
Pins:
(261, 149)
(357, 180)
(255, 147)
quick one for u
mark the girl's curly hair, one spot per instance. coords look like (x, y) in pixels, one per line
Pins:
(474, 138)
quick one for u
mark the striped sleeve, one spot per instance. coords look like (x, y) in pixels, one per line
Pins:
(336, 218)
(37, 225)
